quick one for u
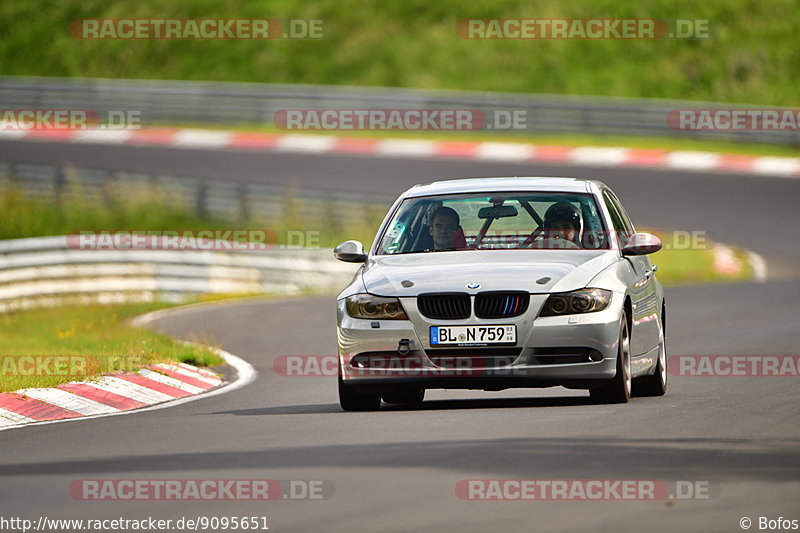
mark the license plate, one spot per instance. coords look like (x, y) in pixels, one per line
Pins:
(473, 335)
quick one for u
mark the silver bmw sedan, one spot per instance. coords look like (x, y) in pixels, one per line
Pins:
(496, 283)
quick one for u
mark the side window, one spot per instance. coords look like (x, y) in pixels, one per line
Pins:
(625, 218)
(617, 219)
(594, 236)
(404, 231)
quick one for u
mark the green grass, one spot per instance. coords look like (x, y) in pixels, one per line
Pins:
(753, 55)
(100, 332)
(695, 266)
(685, 261)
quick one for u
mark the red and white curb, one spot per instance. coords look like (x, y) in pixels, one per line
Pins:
(156, 387)
(725, 261)
(106, 394)
(727, 264)
(679, 160)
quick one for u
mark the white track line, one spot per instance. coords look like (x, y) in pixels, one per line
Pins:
(201, 371)
(102, 136)
(13, 134)
(130, 390)
(172, 382)
(10, 418)
(68, 400)
(190, 374)
(505, 151)
(406, 148)
(202, 139)
(692, 160)
(305, 143)
(759, 266)
(590, 155)
(777, 166)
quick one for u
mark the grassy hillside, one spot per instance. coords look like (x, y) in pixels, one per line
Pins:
(752, 57)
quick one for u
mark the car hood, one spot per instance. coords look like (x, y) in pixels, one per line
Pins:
(494, 270)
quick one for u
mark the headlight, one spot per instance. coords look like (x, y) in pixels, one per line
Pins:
(374, 307)
(571, 303)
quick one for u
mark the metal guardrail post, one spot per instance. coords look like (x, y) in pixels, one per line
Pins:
(249, 103)
(201, 203)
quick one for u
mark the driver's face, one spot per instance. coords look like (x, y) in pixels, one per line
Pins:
(442, 230)
(561, 229)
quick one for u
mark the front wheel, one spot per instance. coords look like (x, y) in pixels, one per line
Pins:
(351, 400)
(618, 390)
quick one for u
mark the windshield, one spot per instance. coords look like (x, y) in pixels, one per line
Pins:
(488, 221)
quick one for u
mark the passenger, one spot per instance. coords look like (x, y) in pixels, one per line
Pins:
(562, 227)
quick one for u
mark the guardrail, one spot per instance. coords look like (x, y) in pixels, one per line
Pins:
(207, 198)
(249, 103)
(46, 271)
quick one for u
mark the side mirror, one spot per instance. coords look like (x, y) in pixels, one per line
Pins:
(350, 252)
(642, 244)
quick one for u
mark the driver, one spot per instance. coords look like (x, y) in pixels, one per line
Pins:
(562, 225)
(444, 225)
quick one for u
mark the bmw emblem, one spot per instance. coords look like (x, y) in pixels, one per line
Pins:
(473, 285)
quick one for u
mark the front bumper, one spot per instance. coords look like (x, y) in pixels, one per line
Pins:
(519, 366)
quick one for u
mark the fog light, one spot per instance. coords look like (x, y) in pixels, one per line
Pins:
(594, 355)
(360, 362)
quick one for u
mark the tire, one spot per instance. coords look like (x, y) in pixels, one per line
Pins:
(655, 385)
(351, 400)
(407, 395)
(618, 390)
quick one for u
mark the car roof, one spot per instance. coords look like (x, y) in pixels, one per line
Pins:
(498, 184)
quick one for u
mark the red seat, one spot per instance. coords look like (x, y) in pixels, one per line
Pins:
(459, 240)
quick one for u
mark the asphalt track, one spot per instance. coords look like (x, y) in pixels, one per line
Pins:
(396, 469)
